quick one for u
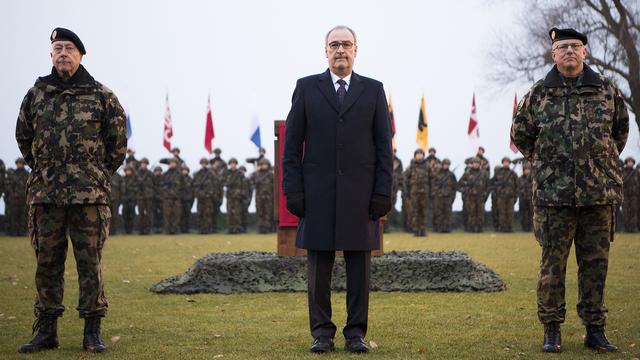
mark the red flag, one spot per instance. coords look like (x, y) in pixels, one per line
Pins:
(168, 127)
(474, 131)
(208, 128)
(513, 146)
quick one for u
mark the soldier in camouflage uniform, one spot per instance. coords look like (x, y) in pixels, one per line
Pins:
(156, 211)
(171, 203)
(474, 186)
(115, 201)
(407, 213)
(572, 126)
(631, 196)
(186, 198)
(234, 180)
(203, 188)
(525, 196)
(219, 169)
(505, 186)
(146, 193)
(129, 198)
(71, 132)
(396, 186)
(443, 192)
(17, 199)
(418, 178)
(247, 191)
(262, 182)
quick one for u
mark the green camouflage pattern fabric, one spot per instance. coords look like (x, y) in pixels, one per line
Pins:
(573, 136)
(146, 193)
(525, 201)
(171, 201)
(591, 229)
(418, 178)
(87, 227)
(407, 212)
(16, 201)
(129, 200)
(236, 193)
(204, 183)
(73, 138)
(443, 192)
(504, 186)
(158, 218)
(474, 186)
(115, 201)
(186, 202)
(262, 182)
(631, 199)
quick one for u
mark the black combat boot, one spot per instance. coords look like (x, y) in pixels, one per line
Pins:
(92, 341)
(597, 340)
(552, 338)
(47, 336)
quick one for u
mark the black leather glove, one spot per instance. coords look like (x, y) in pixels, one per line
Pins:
(295, 203)
(379, 206)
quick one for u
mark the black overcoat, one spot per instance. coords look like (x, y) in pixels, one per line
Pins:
(338, 157)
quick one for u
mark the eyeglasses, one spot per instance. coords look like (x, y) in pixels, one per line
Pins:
(335, 45)
(565, 47)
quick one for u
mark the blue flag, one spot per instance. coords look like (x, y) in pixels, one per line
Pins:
(255, 133)
(129, 130)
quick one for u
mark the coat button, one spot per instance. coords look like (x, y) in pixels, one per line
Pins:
(340, 172)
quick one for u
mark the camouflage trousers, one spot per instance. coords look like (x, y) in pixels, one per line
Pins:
(264, 213)
(505, 212)
(128, 215)
(217, 202)
(526, 214)
(145, 212)
(234, 212)
(115, 205)
(474, 210)
(158, 218)
(630, 214)
(407, 214)
(185, 216)
(419, 211)
(18, 217)
(495, 212)
(442, 212)
(171, 210)
(87, 226)
(205, 214)
(591, 229)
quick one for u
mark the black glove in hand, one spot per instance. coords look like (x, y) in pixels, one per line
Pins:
(295, 203)
(379, 206)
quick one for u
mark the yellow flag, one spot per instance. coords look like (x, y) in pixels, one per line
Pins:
(422, 136)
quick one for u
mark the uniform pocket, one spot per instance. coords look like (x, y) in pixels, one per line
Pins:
(104, 219)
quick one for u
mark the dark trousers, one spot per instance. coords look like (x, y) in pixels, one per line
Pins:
(319, 269)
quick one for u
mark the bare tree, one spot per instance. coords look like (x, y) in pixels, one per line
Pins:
(613, 30)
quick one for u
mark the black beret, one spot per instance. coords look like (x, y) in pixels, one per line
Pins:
(59, 34)
(565, 34)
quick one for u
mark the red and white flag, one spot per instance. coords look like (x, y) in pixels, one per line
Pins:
(474, 131)
(168, 127)
(209, 134)
(513, 146)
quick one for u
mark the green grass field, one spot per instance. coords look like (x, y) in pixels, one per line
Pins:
(143, 325)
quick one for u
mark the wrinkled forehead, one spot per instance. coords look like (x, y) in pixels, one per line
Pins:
(63, 43)
(340, 35)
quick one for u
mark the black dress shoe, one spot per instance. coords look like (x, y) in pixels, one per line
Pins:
(322, 345)
(552, 338)
(356, 345)
(597, 340)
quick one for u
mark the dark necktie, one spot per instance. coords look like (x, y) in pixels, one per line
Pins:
(342, 91)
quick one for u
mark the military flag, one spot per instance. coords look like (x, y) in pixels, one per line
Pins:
(513, 146)
(255, 132)
(168, 126)
(209, 134)
(473, 130)
(393, 124)
(422, 136)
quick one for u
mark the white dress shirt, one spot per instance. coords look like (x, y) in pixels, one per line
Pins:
(335, 79)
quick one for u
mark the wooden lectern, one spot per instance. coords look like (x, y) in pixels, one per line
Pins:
(286, 223)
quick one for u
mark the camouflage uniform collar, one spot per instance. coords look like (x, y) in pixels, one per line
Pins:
(589, 78)
(80, 79)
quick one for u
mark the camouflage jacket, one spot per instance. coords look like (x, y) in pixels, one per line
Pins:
(504, 182)
(419, 176)
(573, 136)
(443, 184)
(129, 188)
(204, 183)
(146, 189)
(474, 182)
(186, 188)
(398, 183)
(171, 183)
(525, 190)
(116, 188)
(631, 179)
(73, 137)
(234, 183)
(262, 182)
(157, 187)
(16, 189)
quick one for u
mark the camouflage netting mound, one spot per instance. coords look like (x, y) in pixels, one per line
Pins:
(248, 272)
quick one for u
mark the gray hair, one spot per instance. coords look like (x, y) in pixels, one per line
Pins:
(341, 27)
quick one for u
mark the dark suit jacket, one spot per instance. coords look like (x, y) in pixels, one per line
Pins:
(338, 157)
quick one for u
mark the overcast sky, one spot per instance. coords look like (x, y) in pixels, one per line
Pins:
(248, 55)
